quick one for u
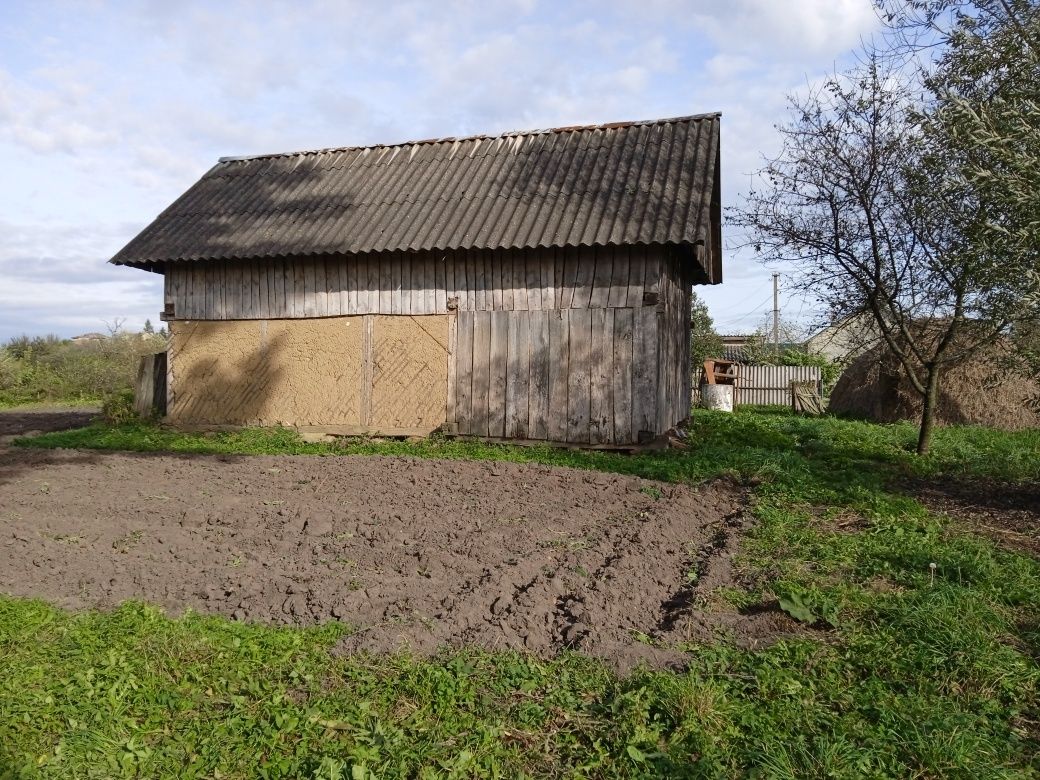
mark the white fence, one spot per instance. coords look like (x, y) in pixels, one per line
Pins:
(767, 385)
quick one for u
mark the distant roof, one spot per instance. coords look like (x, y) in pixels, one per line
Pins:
(654, 182)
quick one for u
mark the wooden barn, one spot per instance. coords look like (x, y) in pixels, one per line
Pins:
(532, 285)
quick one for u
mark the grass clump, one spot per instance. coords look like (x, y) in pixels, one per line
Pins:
(909, 671)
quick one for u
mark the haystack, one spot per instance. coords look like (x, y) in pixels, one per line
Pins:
(978, 391)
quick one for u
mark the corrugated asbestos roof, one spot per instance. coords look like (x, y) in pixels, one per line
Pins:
(627, 183)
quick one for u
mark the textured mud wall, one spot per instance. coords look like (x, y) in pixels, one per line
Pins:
(371, 372)
(267, 372)
(409, 371)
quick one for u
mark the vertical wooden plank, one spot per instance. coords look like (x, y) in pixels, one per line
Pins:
(602, 276)
(430, 303)
(481, 372)
(518, 375)
(180, 303)
(559, 369)
(335, 285)
(479, 284)
(363, 301)
(442, 266)
(222, 286)
(495, 272)
(373, 284)
(462, 280)
(352, 284)
(189, 291)
(453, 348)
(239, 283)
(618, 294)
(583, 278)
(168, 286)
(579, 376)
(637, 263)
(344, 285)
(177, 284)
(276, 290)
(212, 290)
(310, 308)
(288, 284)
(533, 280)
(497, 381)
(464, 373)
(366, 370)
(395, 284)
(644, 371)
(218, 279)
(558, 277)
(250, 303)
(547, 273)
(386, 284)
(518, 284)
(415, 283)
(202, 291)
(601, 414)
(622, 374)
(200, 294)
(538, 405)
(570, 257)
(357, 284)
(652, 271)
(265, 289)
(665, 367)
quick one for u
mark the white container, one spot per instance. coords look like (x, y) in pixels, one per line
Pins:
(717, 397)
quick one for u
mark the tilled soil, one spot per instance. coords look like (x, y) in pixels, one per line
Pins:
(19, 422)
(415, 553)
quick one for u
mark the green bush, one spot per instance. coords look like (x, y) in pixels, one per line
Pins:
(118, 408)
(48, 369)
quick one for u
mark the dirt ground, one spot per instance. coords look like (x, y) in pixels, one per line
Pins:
(19, 422)
(416, 553)
(1008, 514)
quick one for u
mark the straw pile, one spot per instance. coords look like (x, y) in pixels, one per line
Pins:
(979, 391)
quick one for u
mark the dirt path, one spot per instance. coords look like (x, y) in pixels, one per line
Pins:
(417, 553)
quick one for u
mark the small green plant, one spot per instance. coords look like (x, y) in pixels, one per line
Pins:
(118, 408)
(652, 491)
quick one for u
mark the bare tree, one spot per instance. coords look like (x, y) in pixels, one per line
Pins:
(852, 200)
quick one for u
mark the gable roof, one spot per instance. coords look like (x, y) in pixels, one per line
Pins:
(653, 182)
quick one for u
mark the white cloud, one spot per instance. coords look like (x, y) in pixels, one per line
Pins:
(107, 114)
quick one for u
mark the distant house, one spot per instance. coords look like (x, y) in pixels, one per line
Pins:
(735, 347)
(843, 341)
(532, 285)
(88, 338)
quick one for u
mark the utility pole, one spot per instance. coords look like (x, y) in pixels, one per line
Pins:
(776, 314)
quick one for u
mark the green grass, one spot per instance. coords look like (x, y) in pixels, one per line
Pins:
(907, 678)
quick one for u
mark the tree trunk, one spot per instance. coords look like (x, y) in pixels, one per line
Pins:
(931, 398)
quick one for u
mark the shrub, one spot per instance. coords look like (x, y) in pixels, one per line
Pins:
(118, 408)
(48, 369)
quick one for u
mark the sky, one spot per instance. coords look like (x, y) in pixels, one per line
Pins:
(110, 110)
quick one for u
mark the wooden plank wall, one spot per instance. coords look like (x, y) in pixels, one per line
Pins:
(569, 375)
(675, 378)
(411, 283)
(587, 345)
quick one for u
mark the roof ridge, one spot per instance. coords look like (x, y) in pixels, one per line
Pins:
(477, 137)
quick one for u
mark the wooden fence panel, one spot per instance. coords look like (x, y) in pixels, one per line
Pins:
(767, 385)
